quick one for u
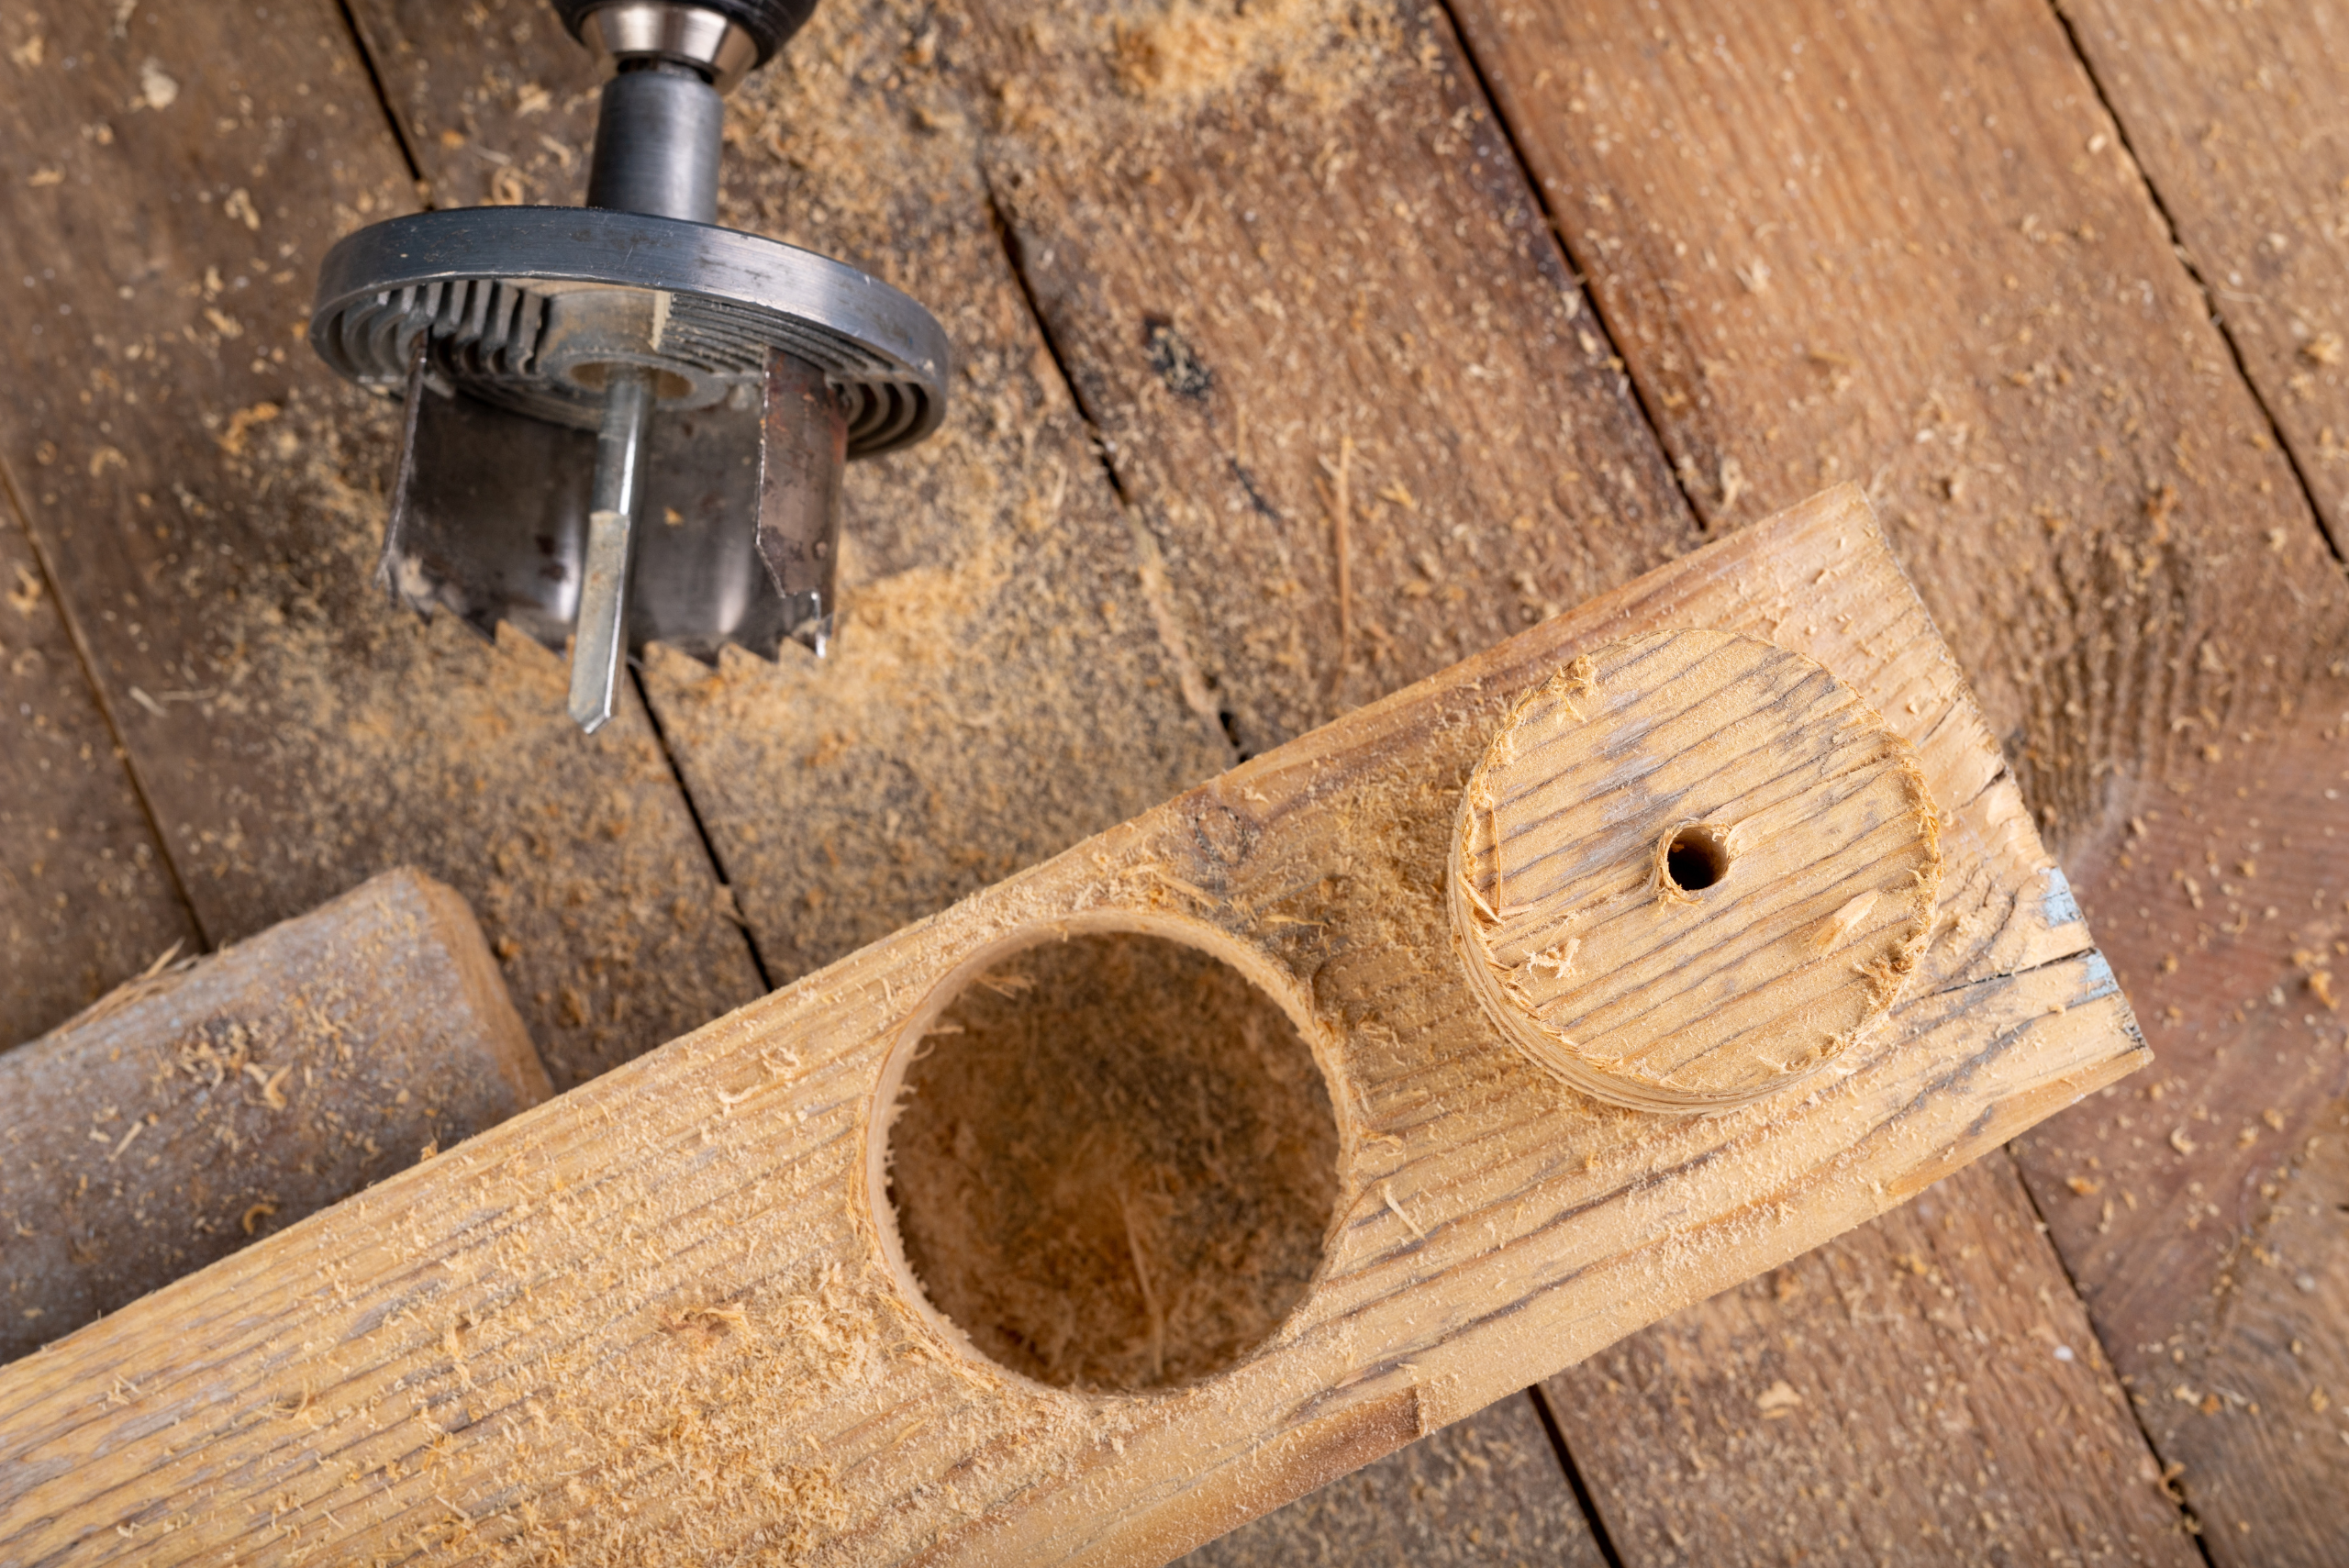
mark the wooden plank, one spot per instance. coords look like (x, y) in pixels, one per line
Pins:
(2236, 116)
(1484, 1491)
(1784, 1446)
(209, 500)
(86, 899)
(1009, 635)
(1300, 284)
(2182, 1202)
(1964, 294)
(716, 1299)
(2235, 113)
(1004, 681)
(208, 1104)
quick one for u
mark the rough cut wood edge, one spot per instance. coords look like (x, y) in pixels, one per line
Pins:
(219, 1099)
(651, 1321)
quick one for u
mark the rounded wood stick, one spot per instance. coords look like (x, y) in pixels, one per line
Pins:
(198, 1108)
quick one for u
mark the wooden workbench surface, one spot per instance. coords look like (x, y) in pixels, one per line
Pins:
(1303, 347)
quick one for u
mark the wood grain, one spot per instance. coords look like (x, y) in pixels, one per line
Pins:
(1341, 372)
(1784, 1446)
(208, 499)
(193, 1110)
(652, 1320)
(2236, 116)
(86, 899)
(1813, 863)
(1148, 289)
(2181, 1201)
(1249, 261)
(1966, 296)
(2235, 112)
(1017, 668)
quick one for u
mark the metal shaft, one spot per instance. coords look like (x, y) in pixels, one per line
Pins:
(658, 140)
(599, 638)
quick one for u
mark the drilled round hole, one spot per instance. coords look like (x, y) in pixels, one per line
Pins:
(1113, 1162)
(1695, 858)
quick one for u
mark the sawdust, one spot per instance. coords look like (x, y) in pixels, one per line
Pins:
(1181, 54)
(2038, 398)
(1280, 242)
(374, 739)
(216, 498)
(1115, 1164)
(1748, 1431)
(614, 1327)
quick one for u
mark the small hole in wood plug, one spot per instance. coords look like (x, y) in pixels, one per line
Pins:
(1696, 858)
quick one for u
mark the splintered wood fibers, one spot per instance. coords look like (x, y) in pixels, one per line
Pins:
(1115, 1163)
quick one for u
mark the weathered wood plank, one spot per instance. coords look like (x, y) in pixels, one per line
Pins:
(1782, 1446)
(2182, 1202)
(673, 1276)
(86, 899)
(209, 499)
(2237, 114)
(1321, 179)
(1300, 285)
(1484, 1491)
(193, 1111)
(1965, 293)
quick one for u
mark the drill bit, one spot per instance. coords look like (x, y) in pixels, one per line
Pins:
(571, 372)
(600, 639)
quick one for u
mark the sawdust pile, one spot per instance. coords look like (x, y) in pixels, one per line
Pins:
(1186, 53)
(1115, 1164)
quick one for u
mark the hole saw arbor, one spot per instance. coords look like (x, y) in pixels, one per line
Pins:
(657, 1319)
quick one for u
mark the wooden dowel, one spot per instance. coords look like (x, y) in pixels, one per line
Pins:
(190, 1111)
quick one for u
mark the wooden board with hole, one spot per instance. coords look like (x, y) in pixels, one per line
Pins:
(659, 1319)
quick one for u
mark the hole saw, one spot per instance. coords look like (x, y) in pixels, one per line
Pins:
(626, 424)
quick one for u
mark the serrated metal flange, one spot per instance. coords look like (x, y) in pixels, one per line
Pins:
(515, 302)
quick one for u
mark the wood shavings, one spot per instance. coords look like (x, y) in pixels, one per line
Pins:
(1843, 921)
(1387, 1192)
